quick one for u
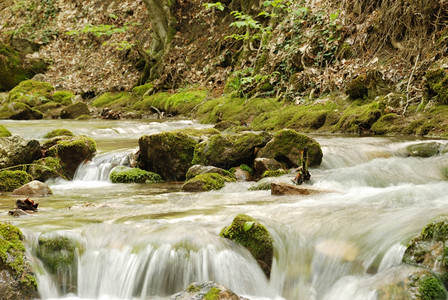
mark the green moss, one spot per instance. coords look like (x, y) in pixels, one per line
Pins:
(11, 180)
(387, 124)
(262, 186)
(184, 102)
(4, 132)
(56, 252)
(192, 288)
(257, 239)
(275, 173)
(212, 294)
(245, 167)
(437, 230)
(208, 182)
(113, 99)
(431, 288)
(433, 77)
(133, 175)
(63, 97)
(58, 132)
(357, 88)
(441, 88)
(157, 100)
(357, 118)
(83, 117)
(31, 92)
(46, 168)
(142, 89)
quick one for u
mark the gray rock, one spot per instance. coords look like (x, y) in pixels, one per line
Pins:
(34, 188)
(206, 290)
(16, 150)
(75, 110)
(262, 164)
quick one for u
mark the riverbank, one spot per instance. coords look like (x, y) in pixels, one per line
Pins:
(385, 114)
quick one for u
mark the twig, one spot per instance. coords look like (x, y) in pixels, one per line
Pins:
(409, 84)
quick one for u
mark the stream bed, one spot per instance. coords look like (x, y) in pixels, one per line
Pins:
(149, 241)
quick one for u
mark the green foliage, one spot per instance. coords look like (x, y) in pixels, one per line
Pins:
(215, 5)
(4, 132)
(58, 132)
(245, 167)
(11, 180)
(133, 175)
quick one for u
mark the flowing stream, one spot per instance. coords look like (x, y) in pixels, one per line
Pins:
(149, 241)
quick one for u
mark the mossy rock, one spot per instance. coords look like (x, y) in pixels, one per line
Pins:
(15, 67)
(46, 168)
(357, 88)
(276, 173)
(286, 147)
(57, 252)
(359, 118)
(406, 282)
(206, 291)
(83, 117)
(441, 88)
(11, 180)
(199, 169)
(71, 151)
(262, 185)
(226, 151)
(31, 93)
(184, 102)
(255, 237)
(428, 249)
(18, 281)
(168, 154)
(133, 175)
(433, 79)
(4, 132)
(206, 182)
(15, 150)
(75, 110)
(58, 132)
(63, 97)
(21, 111)
(425, 149)
(387, 124)
(157, 100)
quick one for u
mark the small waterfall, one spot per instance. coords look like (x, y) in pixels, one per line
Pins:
(100, 167)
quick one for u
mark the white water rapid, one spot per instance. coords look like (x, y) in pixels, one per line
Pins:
(149, 241)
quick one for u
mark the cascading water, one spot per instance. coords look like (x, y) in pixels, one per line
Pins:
(149, 241)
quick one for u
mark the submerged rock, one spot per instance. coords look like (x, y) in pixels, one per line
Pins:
(34, 188)
(16, 150)
(286, 147)
(425, 149)
(11, 180)
(206, 182)
(58, 132)
(206, 291)
(17, 279)
(255, 237)
(282, 189)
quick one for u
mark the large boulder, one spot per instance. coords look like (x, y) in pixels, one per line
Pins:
(168, 154)
(34, 188)
(206, 291)
(263, 164)
(286, 147)
(22, 111)
(226, 151)
(255, 237)
(32, 93)
(71, 151)
(284, 189)
(206, 182)
(75, 110)
(17, 279)
(11, 180)
(429, 249)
